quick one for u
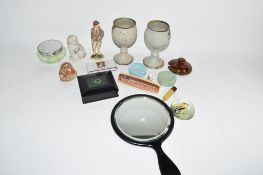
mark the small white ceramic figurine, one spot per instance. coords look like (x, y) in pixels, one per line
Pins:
(96, 39)
(76, 50)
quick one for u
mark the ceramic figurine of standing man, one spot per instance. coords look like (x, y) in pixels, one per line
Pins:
(96, 36)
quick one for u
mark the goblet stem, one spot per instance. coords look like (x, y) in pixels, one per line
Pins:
(155, 53)
(123, 50)
(153, 61)
(123, 58)
(155, 57)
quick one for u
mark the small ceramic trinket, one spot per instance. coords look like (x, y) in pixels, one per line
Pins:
(67, 72)
(76, 50)
(124, 35)
(166, 78)
(51, 51)
(137, 69)
(96, 37)
(183, 109)
(180, 66)
(101, 66)
(156, 38)
(150, 77)
(169, 93)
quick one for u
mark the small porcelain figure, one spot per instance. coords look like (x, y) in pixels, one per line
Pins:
(76, 50)
(96, 37)
(67, 72)
(150, 77)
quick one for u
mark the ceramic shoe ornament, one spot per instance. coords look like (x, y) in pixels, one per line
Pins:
(67, 72)
(180, 66)
(96, 37)
(76, 50)
(183, 109)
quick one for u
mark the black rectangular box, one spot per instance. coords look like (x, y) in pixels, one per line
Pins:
(97, 86)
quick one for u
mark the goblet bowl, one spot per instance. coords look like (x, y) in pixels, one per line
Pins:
(124, 35)
(156, 38)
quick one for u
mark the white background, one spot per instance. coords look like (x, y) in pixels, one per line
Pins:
(45, 128)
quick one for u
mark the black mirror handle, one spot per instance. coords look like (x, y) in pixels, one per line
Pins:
(166, 165)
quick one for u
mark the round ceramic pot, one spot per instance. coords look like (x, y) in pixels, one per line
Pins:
(124, 35)
(156, 38)
(51, 51)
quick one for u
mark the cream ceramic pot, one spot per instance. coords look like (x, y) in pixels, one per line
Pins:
(156, 38)
(124, 35)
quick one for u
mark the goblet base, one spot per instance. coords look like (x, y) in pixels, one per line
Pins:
(123, 58)
(153, 62)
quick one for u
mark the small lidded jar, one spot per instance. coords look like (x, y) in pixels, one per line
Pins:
(51, 51)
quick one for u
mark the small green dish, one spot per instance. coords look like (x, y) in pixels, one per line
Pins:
(51, 51)
(166, 78)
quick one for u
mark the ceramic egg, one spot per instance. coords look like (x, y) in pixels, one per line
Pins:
(183, 109)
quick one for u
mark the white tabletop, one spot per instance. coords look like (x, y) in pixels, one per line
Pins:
(45, 128)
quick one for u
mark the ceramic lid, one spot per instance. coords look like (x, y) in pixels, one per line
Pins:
(180, 66)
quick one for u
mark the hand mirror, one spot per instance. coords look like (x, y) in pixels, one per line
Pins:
(144, 120)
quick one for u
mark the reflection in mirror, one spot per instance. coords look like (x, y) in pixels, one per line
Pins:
(142, 119)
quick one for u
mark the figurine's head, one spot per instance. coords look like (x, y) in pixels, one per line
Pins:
(96, 23)
(72, 39)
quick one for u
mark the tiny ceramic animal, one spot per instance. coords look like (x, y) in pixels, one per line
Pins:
(76, 50)
(67, 72)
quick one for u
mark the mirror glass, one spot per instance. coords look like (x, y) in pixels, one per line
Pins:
(142, 119)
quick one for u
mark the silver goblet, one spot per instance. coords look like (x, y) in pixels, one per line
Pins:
(156, 38)
(124, 35)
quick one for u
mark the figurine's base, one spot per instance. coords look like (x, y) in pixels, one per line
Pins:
(97, 56)
(123, 58)
(153, 62)
(77, 57)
